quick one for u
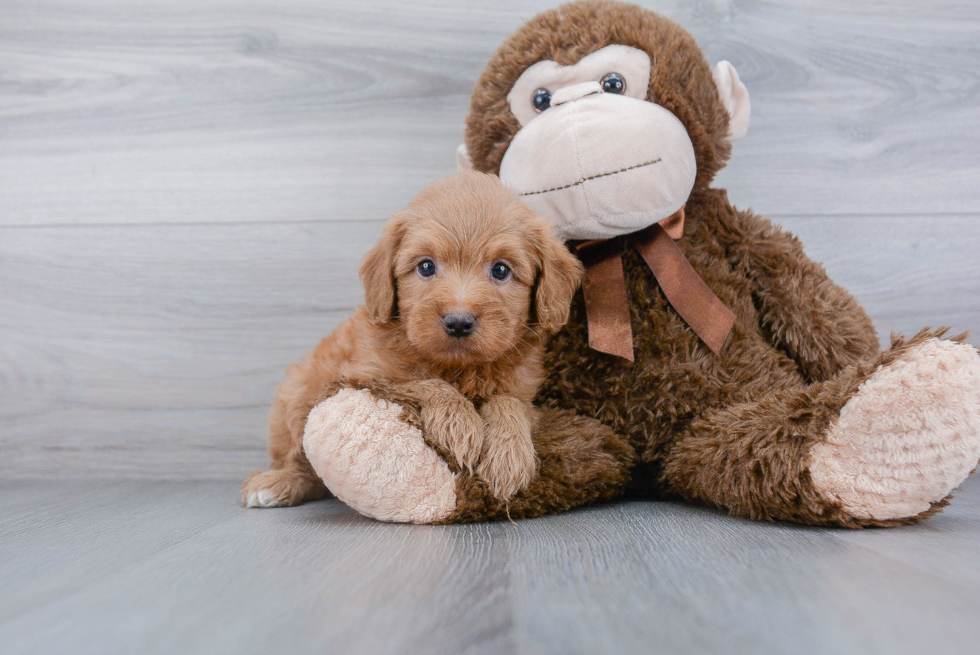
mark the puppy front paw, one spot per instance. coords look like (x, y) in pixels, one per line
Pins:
(455, 425)
(509, 463)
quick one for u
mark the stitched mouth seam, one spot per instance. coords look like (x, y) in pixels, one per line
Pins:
(593, 177)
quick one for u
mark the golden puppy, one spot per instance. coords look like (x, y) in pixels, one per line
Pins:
(460, 292)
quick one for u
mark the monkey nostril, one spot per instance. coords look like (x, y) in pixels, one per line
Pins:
(459, 325)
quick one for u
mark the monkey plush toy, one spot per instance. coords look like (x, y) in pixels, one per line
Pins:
(707, 358)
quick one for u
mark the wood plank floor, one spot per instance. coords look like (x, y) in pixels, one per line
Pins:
(179, 567)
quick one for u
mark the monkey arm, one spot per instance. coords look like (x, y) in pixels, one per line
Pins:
(370, 446)
(803, 312)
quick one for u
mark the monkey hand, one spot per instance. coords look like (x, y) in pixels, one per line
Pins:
(371, 450)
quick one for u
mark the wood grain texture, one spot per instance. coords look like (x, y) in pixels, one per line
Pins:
(177, 111)
(168, 567)
(153, 351)
(159, 347)
(186, 189)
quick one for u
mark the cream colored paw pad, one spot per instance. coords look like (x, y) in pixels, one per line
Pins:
(908, 437)
(375, 462)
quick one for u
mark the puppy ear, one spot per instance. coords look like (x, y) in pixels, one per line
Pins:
(559, 275)
(378, 275)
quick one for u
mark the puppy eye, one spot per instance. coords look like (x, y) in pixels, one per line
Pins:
(426, 268)
(613, 83)
(541, 100)
(500, 271)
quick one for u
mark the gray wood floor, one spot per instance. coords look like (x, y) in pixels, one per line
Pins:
(176, 567)
(186, 188)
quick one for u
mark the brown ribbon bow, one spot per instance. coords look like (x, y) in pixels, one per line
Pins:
(608, 308)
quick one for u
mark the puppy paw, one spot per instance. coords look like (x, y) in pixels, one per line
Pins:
(908, 437)
(275, 488)
(509, 462)
(452, 422)
(460, 433)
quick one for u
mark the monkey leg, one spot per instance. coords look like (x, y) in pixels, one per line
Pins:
(882, 443)
(368, 446)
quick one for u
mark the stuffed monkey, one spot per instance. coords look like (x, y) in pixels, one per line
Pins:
(722, 365)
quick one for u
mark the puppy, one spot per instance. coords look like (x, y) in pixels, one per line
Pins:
(460, 293)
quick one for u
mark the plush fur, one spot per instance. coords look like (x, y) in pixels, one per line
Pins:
(788, 422)
(906, 420)
(472, 387)
(379, 436)
(680, 79)
(580, 461)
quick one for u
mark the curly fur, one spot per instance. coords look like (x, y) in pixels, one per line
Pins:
(464, 224)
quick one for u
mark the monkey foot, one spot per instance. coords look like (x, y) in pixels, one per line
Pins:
(908, 437)
(367, 450)
(377, 463)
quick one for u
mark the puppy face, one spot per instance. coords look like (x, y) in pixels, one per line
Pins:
(468, 272)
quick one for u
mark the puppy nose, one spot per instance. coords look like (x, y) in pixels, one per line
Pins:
(459, 325)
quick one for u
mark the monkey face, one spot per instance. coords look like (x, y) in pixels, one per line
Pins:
(610, 142)
(584, 155)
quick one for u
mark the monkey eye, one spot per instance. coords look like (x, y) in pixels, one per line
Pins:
(500, 271)
(613, 83)
(541, 100)
(426, 268)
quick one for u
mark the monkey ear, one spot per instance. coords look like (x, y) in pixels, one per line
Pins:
(378, 273)
(463, 162)
(735, 97)
(559, 275)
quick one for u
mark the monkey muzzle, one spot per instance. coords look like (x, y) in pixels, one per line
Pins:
(600, 165)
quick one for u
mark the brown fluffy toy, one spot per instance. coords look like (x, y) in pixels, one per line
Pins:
(731, 371)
